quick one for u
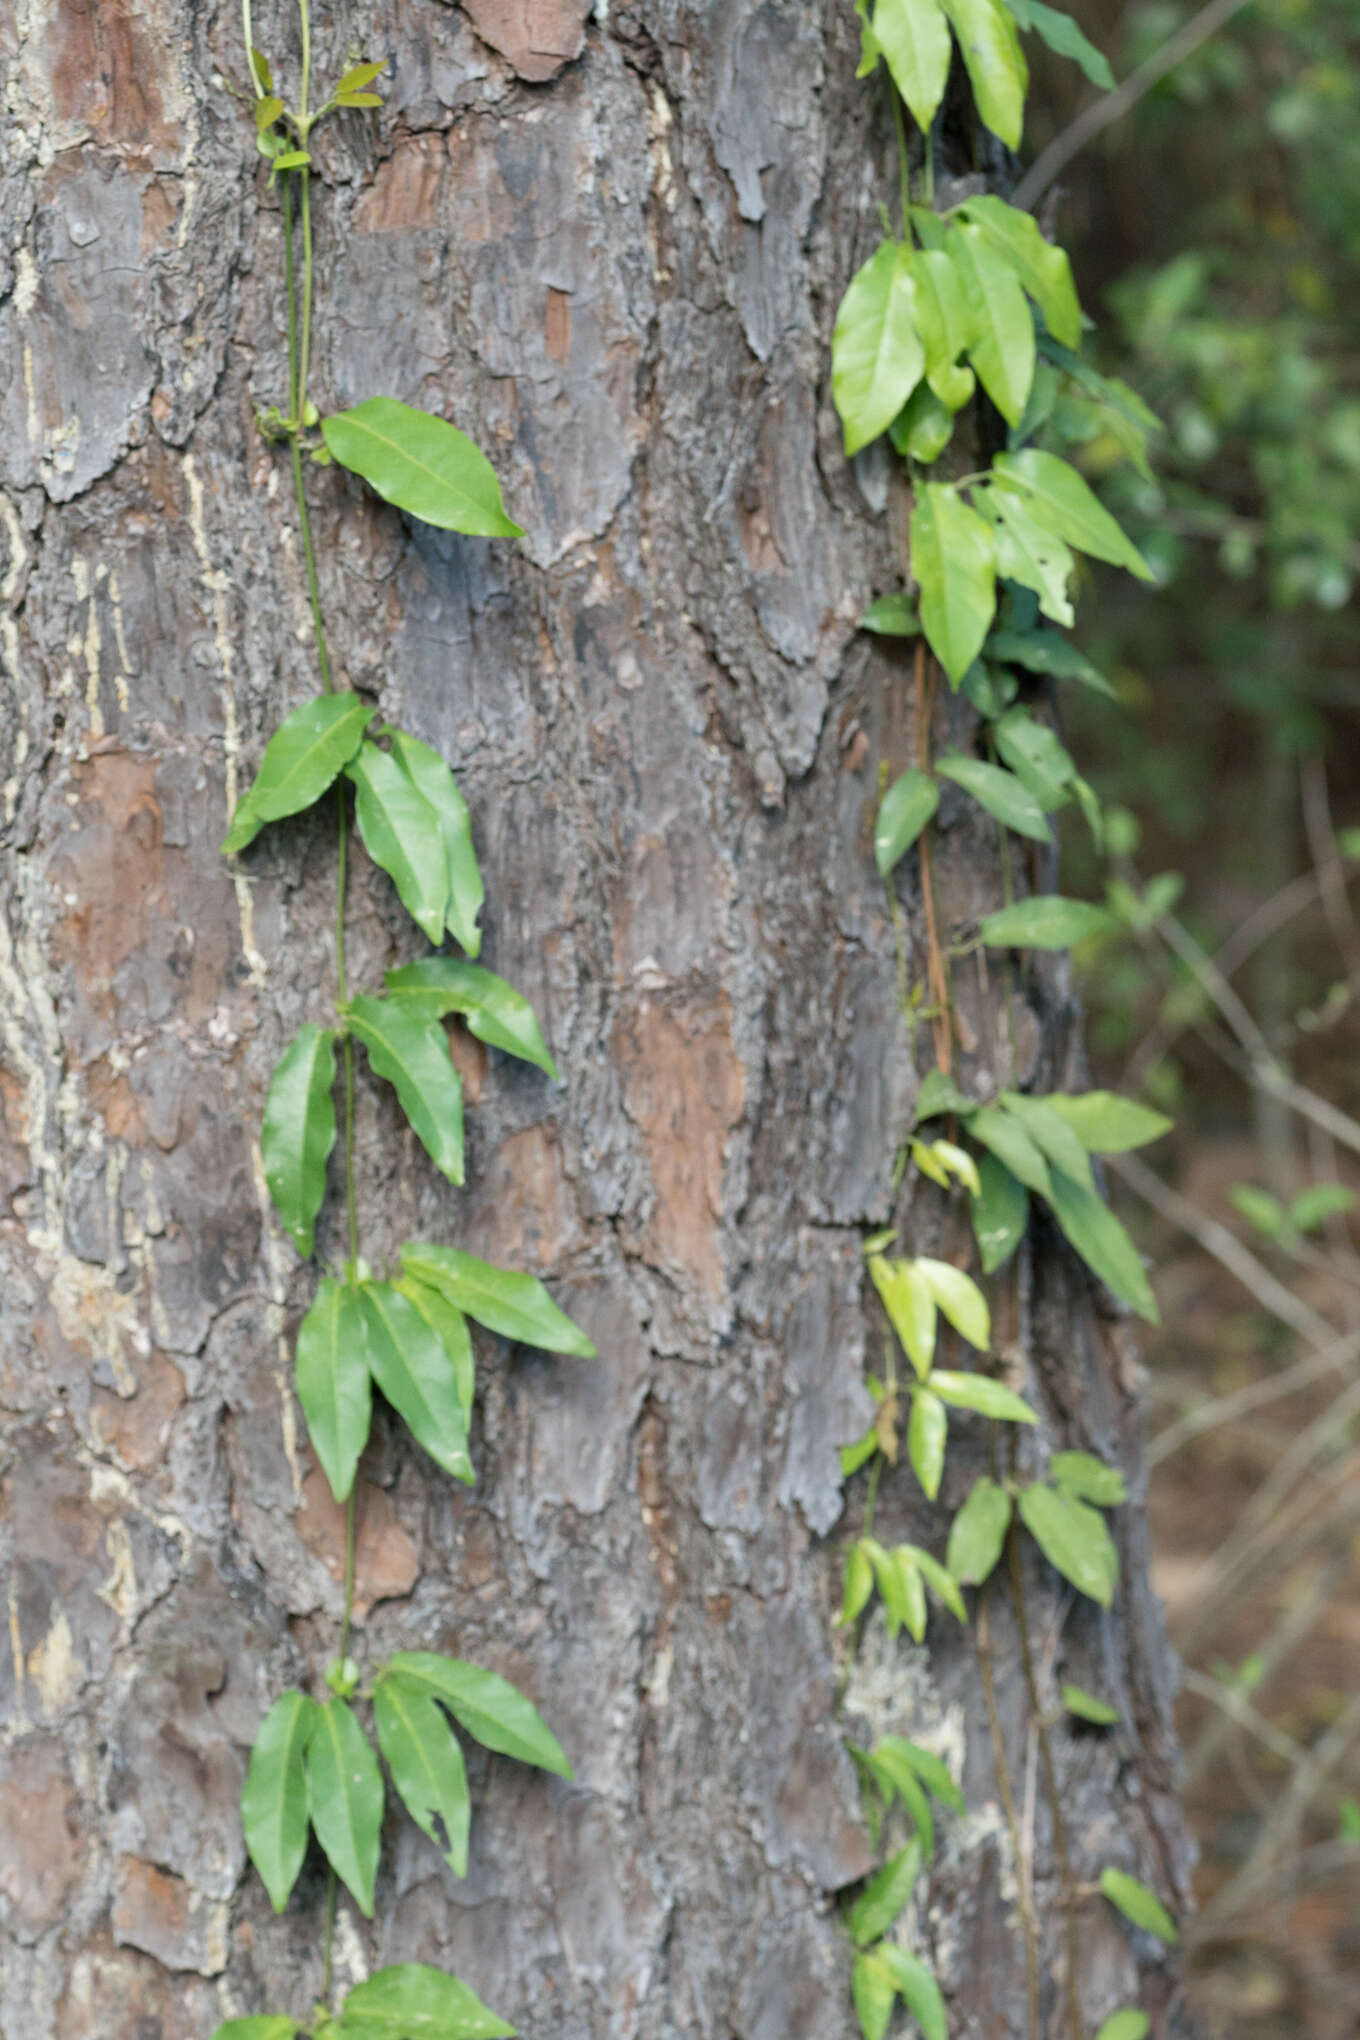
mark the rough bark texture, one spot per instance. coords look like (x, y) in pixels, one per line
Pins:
(609, 245)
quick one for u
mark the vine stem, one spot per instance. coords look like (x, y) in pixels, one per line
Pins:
(936, 969)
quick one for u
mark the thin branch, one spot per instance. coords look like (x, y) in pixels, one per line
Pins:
(1257, 1395)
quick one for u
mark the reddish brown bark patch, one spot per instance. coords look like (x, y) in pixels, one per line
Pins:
(40, 1852)
(536, 37)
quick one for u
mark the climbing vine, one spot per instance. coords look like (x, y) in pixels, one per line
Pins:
(966, 296)
(313, 1767)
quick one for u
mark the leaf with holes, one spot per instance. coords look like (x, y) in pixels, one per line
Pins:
(333, 1382)
(421, 464)
(305, 755)
(432, 779)
(299, 1132)
(345, 1799)
(411, 1050)
(1036, 756)
(1139, 1905)
(494, 1011)
(402, 833)
(274, 1796)
(426, 1762)
(1058, 498)
(953, 560)
(1028, 554)
(407, 1360)
(411, 2001)
(977, 1534)
(492, 1711)
(876, 353)
(1007, 799)
(504, 1300)
(1073, 1538)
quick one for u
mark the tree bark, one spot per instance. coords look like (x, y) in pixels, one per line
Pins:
(610, 246)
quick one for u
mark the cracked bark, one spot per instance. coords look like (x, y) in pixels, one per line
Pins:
(611, 249)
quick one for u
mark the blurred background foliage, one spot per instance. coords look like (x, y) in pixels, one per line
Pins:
(1215, 229)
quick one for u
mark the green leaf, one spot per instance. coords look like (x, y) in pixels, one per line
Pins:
(504, 1300)
(930, 1769)
(273, 2026)
(919, 1991)
(923, 427)
(891, 616)
(1092, 1228)
(402, 833)
(1107, 1124)
(1319, 1202)
(413, 2002)
(495, 1012)
(896, 1775)
(977, 1534)
(264, 77)
(432, 779)
(299, 1132)
(292, 159)
(1043, 269)
(421, 464)
(267, 110)
(1002, 349)
(959, 1297)
(450, 1327)
(927, 1434)
(1073, 1538)
(858, 1453)
(411, 1050)
(274, 1796)
(426, 1762)
(333, 1381)
(1059, 499)
(941, 1583)
(910, 1304)
(1000, 792)
(906, 807)
(1138, 1904)
(938, 1094)
(305, 755)
(1044, 922)
(1087, 1707)
(358, 99)
(885, 1895)
(876, 353)
(1035, 755)
(407, 1360)
(488, 1707)
(359, 75)
(914, 38)
(858, 1583)
(996, 64)
(1000, 1213)
(945, 321)
(900, 1588)
(952, 559)
(1010, 1143)
(960, 1162)
(1088, 1478)
(875, 1993)
(1262, 1210)
(1065, 39)
(1045, 651)
(1051, 1134)
(1028, 554)
(345, 1799)
(979, 1392)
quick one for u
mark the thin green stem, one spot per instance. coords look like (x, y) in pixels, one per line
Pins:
(305, 23)
(305, 351)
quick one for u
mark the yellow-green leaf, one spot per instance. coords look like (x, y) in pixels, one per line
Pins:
(996, 64)
(876, 352)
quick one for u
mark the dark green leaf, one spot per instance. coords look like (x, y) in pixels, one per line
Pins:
(432, 778)
(411, 1050)
(274, 1797)
(407, 1360)
(299, 1132)
(891, 616)
(1073, 1538)
(495, 1012)
(422, 464)
(403, 834)
(426, 1763)
(1028, 554)
(1065, 39)
(488, 1707)
(1051, 1134)
(504, 1300)
(906, 807)
(977, 1535)
(451, 1329)
(1044, 922)
(1138, 1904)
(1088, 1478)
(1107, 1124)
(1000, 1213)
(876, 353)
(1092, 1228)
(874, 1993)
(1009, 1142)
(1046, 651)
(979, 1392)
(305, 755)
(914, 38)
(1088, 1708)
(919, 1990)
(1002, 349)
(412, 2002)
(345, 1799)
(1059, 499)
(333, 1381)
(1000, 792)
(885, 1895)
(952, 559)
(926, 1437)
(1043, 269)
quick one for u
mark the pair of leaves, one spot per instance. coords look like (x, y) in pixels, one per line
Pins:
(902, 1577)
(913, 38)
(515, 1305)
(915, 1292)
(414, 823)
(900, 1769)
(1068, 1530)
(313, 1765)
(358, 1333)
(883, 1975)
(409, 2001)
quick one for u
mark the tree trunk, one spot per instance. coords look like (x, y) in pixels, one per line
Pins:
(610, 246)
